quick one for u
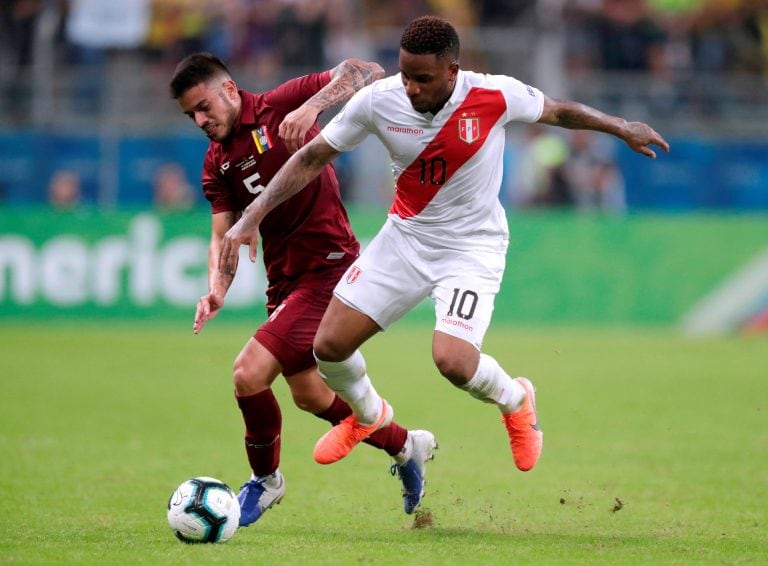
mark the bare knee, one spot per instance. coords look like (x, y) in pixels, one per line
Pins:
(330, 349)
(246, 378)
(454, 368)
(341, 332)
(456, 359)
(308, 401)
(309, 391)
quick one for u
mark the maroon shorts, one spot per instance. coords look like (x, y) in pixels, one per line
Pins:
(295, 308)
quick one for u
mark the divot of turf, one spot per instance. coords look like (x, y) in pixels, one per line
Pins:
(422, 519)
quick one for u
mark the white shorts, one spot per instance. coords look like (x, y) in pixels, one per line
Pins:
(396, 271)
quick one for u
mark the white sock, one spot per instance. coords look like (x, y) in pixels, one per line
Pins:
(272, 480)
(405, 454)
(350, 381)
(491, 384)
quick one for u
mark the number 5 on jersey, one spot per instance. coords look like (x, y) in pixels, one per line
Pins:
(251, 185)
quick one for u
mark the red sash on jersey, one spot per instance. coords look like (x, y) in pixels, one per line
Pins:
(457, 141)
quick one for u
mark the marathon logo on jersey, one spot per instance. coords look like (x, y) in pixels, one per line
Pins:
(261, 139)
(469, 129)
(405, 130)
(353, 274)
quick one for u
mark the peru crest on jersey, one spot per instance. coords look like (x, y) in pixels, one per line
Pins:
(469, 129)
(353, 273)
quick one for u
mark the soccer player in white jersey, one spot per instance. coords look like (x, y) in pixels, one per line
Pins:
(446, 235)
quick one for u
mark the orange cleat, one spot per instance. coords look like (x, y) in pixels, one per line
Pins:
(341, 439)
(525, 436)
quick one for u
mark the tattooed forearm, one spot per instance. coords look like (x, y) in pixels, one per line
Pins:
(577, 116)
(219, 281)
(294, 176)
(348, 77)
(224, 280)
(297, 172)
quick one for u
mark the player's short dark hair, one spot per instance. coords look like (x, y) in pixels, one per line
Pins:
(195, 69)
(431, 35)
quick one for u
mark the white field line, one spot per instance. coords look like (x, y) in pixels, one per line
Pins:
(729, 304)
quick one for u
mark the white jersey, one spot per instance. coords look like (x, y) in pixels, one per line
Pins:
(447, 167)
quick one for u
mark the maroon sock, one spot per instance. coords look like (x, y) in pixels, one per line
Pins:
(263, 421)
(391, 439)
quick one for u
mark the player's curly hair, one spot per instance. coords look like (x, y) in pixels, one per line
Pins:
(431, 35)
(195, 69)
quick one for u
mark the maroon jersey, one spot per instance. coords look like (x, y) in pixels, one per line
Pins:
(309, 231)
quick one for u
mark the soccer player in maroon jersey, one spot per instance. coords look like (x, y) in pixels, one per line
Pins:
(446, 236)
(307, 244)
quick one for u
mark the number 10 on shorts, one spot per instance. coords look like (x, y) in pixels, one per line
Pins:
(467, 302)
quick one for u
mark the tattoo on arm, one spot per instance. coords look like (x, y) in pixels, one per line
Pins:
(224, 280)
(576, 116)
(292, 177)
(219, 279)
(349, 77)
(297, 172)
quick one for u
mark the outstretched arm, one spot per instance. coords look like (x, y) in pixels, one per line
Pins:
(575, 116)
(218, 281)
(346, 79)
(297, 172)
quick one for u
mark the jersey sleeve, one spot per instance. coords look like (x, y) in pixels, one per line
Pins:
(352, 124)
(295, 92)
(524, 103)
(214, 188)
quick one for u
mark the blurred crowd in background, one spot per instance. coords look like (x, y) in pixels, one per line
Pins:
(104, 66)
(656, 36)
(668, 36)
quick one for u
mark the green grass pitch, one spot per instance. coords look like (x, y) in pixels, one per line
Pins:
(655, 452)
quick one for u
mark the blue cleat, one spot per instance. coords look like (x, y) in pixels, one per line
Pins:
(259, 494)
(412, 473)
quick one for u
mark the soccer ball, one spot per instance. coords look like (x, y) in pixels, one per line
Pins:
(203, 510)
